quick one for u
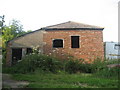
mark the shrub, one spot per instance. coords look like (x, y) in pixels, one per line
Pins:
(72, 66)
(108, 72)
(78, 65)
(98, 64)
(31, 62)
(101, 68)
(85, 68)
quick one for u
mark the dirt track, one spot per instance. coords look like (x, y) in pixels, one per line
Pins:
(8, 82)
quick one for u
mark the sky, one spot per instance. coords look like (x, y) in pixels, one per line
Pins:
(35, 14)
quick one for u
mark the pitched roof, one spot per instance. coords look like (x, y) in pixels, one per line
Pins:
(72, 25)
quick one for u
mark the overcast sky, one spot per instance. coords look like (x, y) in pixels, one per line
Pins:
(35, 14)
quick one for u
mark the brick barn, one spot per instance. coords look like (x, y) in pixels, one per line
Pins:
(61, 40)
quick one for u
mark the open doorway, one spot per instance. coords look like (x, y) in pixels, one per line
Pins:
(16, 55)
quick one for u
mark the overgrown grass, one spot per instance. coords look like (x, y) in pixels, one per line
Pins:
(49, 72)
(49, 80)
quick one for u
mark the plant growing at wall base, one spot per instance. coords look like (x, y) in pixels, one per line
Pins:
(31, 62)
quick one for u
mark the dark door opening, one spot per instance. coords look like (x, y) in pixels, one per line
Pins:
(16, 55)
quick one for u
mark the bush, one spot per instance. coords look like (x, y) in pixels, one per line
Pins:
(31, 62)
(102, 70)
(108, 72)
(97, 65)
(85, 68)
(72, 66)
(78, 65)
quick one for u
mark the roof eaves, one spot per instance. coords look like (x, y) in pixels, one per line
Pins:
(50, 29)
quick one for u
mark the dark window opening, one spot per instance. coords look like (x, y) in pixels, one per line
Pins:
(74, 41)
(58, 43)
(117, 46)
(16, 55)
(29, 50)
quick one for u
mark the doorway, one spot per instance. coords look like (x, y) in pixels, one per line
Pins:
(16, 55)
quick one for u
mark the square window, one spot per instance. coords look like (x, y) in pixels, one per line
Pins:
(58, 43)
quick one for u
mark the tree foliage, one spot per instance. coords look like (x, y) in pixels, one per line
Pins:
(15, 29)
(1, 23)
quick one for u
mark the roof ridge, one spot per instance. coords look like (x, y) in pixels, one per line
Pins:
(55, 24)
(72, 24)
(84, 24)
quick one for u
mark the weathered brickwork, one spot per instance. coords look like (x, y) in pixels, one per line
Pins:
(90, 41)
(91, 44)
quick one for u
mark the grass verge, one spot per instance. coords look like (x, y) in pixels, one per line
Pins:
(48, 80)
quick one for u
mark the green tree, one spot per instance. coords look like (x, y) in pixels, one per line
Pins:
(15, 29)
(1, 23)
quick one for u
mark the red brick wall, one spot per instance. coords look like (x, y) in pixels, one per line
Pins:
(91, 44)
